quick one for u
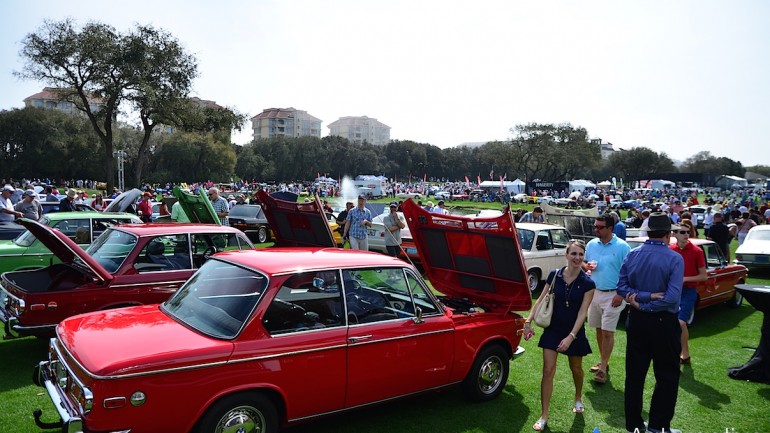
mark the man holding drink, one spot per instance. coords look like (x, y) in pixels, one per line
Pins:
(604, 257)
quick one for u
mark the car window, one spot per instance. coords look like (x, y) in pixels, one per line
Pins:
(306, 301)
(206, 244)
(112, 248)
(714, 256)
(164, 253)
(375, 295)
(79, 230)
(543, 240)
(218, 299)
(526, 238)
(560, 238)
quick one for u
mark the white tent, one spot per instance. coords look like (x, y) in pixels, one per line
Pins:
(580, 185)
(604, 183)
(512, 187)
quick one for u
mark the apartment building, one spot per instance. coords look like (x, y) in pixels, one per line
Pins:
(53, 98)
(606, 149)
(360, 129)
(288, 122)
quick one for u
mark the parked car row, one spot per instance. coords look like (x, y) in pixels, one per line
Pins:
(243, 340)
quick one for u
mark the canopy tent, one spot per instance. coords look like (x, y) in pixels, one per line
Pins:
(604, 183)
(580, 185)
(512, 187)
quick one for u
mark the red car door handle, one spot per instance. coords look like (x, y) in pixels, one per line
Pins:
(359, 338)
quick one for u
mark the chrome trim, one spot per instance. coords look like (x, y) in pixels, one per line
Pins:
(118, 286)
(373, 403)
(718, 296)
(26, 255)
(404, 337)
(71, 424)
(87, 394)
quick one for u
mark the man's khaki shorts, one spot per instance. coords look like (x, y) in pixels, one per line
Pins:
(601, 313)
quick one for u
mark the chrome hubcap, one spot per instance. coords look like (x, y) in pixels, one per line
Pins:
(490, 374)
(242, 419)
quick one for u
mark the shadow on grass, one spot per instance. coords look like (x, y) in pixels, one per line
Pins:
(718, 319)
(708, 396)
(446, 411)
(19, 360)
(608, 399)
(764, 393)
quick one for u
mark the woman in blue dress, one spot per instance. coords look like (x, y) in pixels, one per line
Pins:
(573, 291)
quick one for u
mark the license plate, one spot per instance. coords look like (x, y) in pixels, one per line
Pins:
(412, 251)
(371, 232)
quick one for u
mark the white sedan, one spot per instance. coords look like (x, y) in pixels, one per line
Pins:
(755, 249)
(413, 195)
(544, 246)
(546, 199)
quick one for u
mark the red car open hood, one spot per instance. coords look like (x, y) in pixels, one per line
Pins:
(64, 248)
(136, 340)
(296, 224)
(478, 258)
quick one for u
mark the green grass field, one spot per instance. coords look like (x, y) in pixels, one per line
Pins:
(708, 402)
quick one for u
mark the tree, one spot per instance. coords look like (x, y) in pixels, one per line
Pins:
(705, 162)
(98, 69)
(640, 163)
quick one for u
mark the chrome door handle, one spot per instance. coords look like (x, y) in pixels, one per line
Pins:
(359, 338)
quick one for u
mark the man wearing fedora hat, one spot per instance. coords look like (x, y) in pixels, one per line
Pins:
(67, 204)
(650, 280)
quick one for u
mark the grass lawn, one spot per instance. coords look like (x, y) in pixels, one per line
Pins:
(709, 401)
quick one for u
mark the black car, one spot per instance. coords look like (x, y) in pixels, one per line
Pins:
(250, 219)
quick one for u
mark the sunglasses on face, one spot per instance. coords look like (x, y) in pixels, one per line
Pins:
(682, 232)
(599, 227)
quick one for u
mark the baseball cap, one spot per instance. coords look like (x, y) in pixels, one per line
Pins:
(360, 197)
(9, 188)
(30, 193)
(393, 204)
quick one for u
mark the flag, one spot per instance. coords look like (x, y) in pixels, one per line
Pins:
(478, 178)
(424, 177)
(501, 184)
(467, 183)
(492, 173)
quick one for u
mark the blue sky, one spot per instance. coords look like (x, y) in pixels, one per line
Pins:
(677, 77)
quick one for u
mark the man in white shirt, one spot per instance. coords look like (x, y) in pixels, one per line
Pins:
(7, 212)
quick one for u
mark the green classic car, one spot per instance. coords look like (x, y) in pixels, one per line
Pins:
(27, 252)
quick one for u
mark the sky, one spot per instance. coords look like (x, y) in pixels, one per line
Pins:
(676, 77)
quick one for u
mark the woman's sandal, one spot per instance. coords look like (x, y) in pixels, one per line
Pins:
(579, 408)
(539, 425)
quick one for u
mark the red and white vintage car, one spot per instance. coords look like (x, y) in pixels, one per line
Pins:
(260, 339)
(131, 264)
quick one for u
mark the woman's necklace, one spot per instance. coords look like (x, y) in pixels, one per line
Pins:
(569, 290)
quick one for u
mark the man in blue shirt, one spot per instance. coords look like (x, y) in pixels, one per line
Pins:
(604, 257)
(651, 281)
(536, 216)
(358, 220)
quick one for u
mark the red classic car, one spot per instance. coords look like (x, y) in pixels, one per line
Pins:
(722, 276)
(259, 339)
(132, 264)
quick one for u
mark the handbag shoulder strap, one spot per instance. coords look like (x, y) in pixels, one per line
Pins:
(549, 280)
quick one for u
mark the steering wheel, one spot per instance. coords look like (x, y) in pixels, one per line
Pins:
(209, 252)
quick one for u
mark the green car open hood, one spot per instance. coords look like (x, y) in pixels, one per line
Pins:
(196, 205)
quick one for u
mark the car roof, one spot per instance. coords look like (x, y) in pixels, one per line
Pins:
(55, 216)
(159, 229)
(538, 226)
(276, 260)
